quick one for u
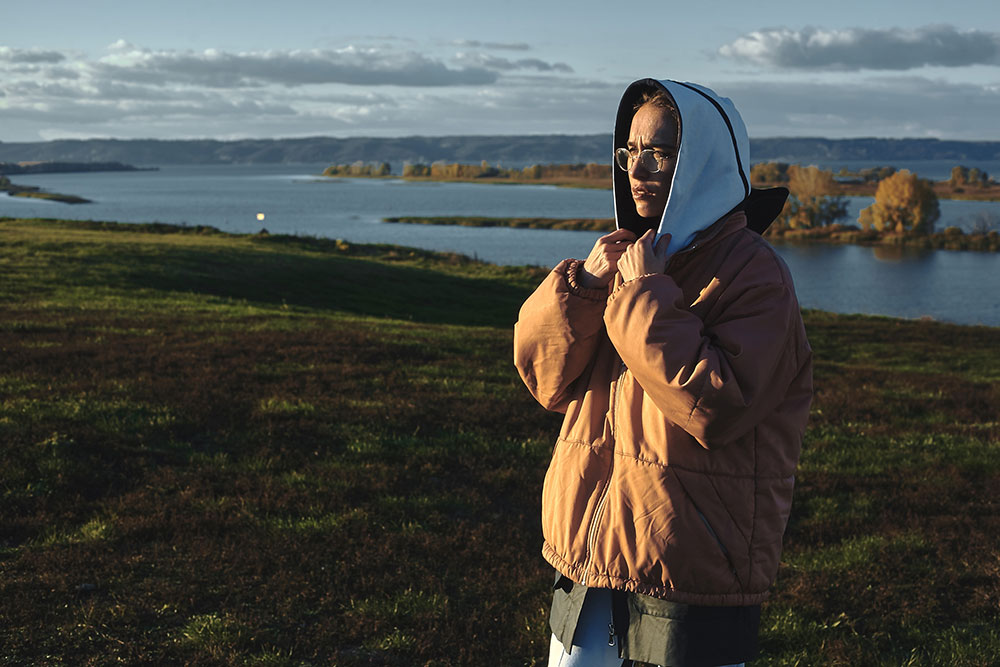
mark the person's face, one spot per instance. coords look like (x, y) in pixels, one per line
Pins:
(652, 127)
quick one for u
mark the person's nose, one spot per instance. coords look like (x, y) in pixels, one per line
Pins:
(637, 170)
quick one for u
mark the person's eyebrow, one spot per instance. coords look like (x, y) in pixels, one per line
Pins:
(660, 147)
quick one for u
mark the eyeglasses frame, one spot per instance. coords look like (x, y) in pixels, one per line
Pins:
(630, 159)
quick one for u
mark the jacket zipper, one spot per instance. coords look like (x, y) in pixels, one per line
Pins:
(722, 547)
(599, 511)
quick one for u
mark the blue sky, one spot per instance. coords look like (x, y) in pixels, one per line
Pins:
(183, 69)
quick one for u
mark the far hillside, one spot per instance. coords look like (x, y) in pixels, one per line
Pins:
(513, 150)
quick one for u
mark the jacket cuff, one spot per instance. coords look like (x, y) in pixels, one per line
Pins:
(571, 269)
(620, 285)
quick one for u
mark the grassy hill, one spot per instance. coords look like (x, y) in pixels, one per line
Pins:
(269, 450)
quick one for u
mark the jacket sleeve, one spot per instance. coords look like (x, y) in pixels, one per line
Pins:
(556, 335)
(715, 381)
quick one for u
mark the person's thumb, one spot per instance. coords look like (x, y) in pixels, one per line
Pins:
(662, 244)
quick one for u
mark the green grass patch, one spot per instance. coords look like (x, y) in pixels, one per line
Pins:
(858, 553)
(274, 450)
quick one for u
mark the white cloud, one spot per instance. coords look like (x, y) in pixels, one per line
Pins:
(863, 48)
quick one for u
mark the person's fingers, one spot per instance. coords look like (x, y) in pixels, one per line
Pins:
(617, 236)
(618, 250)
(645, 242)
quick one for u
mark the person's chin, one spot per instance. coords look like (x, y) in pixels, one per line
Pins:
(648, 209)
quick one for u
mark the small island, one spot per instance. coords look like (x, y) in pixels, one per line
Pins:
(34, 192)
(54, 167)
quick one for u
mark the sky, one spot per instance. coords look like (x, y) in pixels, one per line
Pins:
(296, 68)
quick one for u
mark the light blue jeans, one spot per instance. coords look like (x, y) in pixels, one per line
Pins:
(590, 643)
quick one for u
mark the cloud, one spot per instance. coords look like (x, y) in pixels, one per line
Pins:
(351, 66)
(370, 90)
(908, 106)
(497, 63)
(862, 48)
(475, 44)
(390, 91)
(29, 56)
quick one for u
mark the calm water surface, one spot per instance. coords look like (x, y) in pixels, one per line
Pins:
(953, 286)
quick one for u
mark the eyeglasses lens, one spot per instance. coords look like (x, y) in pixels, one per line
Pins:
(623, 159)
(647, 159)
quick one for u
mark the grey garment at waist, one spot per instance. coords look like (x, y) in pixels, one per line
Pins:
(661, 632)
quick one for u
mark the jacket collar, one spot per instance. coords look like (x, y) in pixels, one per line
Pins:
(720, 229)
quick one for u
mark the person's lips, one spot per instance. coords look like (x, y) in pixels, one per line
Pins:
(642, 193)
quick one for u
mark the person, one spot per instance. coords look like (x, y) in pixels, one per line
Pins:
(677, 352)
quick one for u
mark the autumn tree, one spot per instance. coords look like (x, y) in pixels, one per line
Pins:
(596, 171)
(959, 176)
(414, 170)
(812, 201)
(441, 169)
(769, 172)
(962, 175)
(978, 178)
(903, 203)
(533, 172)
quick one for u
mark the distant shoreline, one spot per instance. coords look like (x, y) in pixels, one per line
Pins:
(59, 167)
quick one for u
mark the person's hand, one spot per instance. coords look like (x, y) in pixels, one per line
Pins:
(602, 262)
(641, 258)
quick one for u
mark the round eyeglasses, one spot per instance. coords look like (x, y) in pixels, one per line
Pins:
(651, 160)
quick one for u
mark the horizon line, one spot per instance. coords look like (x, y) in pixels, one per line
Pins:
(481, 136)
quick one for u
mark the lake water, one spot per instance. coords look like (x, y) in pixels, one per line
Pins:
(952, 286)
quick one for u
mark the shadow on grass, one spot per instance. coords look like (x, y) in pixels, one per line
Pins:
(326, 282)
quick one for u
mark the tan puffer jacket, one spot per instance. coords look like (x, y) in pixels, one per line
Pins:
(686, 396)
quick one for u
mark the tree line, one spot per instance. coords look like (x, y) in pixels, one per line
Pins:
(963, 176)
(903, 201)
(905, 205)
(458, 171)
(359, 169)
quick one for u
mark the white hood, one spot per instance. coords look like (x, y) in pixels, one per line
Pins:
(711, 177)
